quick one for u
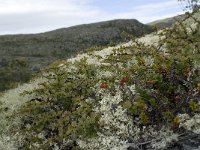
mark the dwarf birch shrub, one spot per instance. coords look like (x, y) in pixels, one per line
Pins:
(142, 89)
(59, 111)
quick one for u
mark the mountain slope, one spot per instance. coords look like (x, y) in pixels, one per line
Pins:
(133, 96)
(23, 55)
(64, 41)
(167, 22)
(12, 99)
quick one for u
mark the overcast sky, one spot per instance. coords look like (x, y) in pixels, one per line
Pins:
(34, 16)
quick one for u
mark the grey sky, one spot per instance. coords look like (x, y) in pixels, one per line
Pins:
(33, 16)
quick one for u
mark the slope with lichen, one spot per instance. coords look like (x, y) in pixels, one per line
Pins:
(142, 95)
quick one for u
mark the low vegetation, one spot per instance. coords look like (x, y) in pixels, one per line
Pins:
(134, 96)
(137, 95)
(23, 56)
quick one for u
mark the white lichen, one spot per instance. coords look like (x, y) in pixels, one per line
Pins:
(190, 123)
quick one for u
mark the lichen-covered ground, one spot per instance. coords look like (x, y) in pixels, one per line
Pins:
(141, 95)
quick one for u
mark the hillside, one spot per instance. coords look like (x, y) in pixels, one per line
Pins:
(140, 95)
(167, 22)
(23, 55)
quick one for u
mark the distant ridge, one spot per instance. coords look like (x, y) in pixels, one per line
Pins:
(25, 54)
(167, 22)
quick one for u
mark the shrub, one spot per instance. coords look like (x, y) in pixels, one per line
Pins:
(142, 89)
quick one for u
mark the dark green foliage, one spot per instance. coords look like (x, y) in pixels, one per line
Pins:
(59, 109)
(171, 86)
(13, 72)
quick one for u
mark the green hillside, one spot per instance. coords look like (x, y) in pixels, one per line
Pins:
(140, 95)
(23, 55)
(167, 22)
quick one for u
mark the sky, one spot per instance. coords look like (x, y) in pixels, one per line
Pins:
(36, 16)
